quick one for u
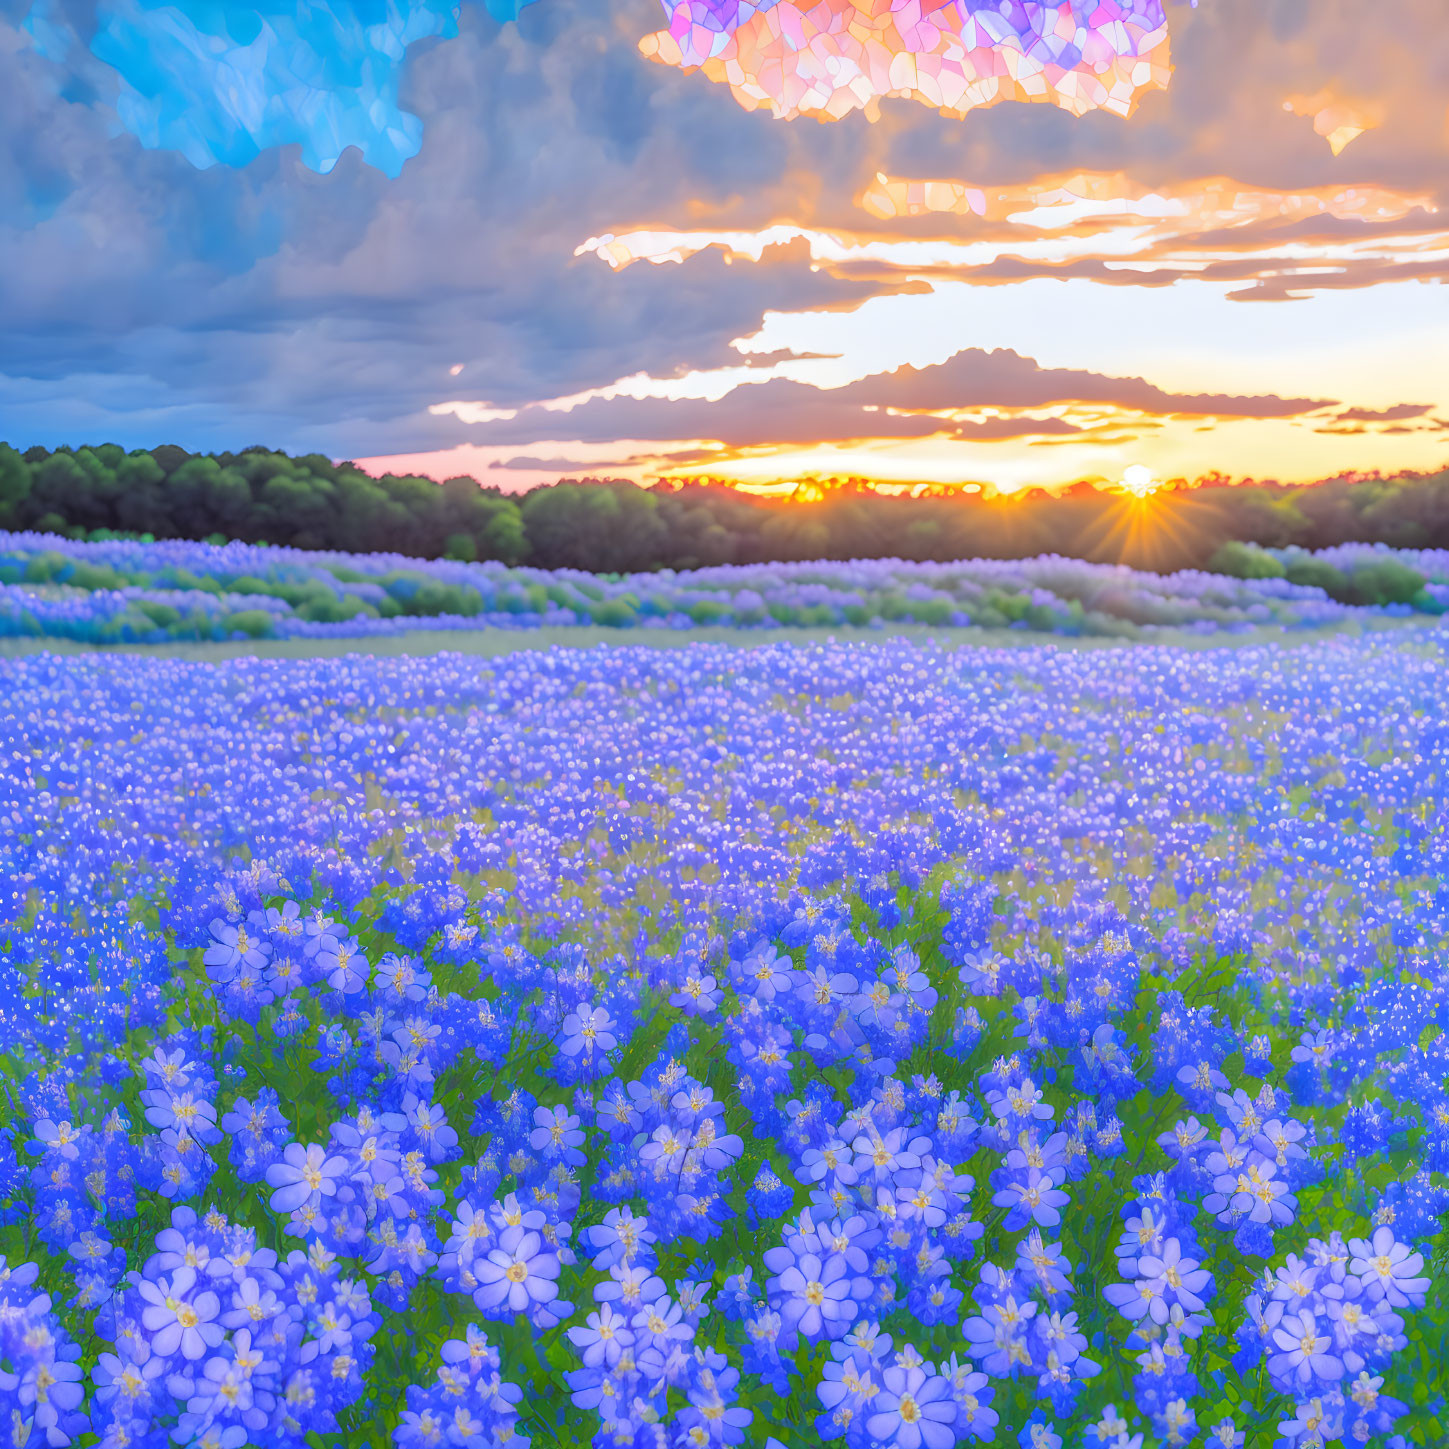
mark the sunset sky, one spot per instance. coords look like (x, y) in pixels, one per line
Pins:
(523, 248)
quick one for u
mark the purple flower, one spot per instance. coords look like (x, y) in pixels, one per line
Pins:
(815, 1297)
(765, 974)
(234, 949)
(518, 1273)
(403, 977)
(178, 1321)
(698, 996)
(830, 1165)
(619, 1238)
(1038, 1199)
(629, 1285)
(304, 1177)
(1389, 1270)
(61, 1139)
(981, 972)
(587, 1031)
(1315, 1047)
(343, 964)
(556, 1135)
(913, 1410)
(1303, 1351)
(1170, 1279)
(1314, 1424)
(188, 1114)
(603, 1337)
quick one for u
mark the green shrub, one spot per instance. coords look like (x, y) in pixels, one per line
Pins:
(43, 568)
(255, 623)
(434, 598)
(1011, 607)
(250, 584)
(185, 579)
(1245, 561)
(94, 576)
(615, 614)
(334, 610)
(1315, 573)
(935, 612)
(1384, 581)
(163, 616)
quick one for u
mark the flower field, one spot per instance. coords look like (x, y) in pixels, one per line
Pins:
(874, 1044)
(127, 591)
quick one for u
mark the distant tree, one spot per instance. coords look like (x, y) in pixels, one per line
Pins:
(608, 527)
(207, 498)
(366, 520)
(142, 505)
(169, 456)
(14, 485)
(294, 507)
(797, 533)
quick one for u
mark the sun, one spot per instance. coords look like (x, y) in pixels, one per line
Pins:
(1139, 482)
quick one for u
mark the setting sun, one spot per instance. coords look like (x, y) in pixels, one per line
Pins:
(1139, 482)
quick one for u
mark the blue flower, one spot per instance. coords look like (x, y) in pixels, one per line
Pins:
(814, 1297)
(179, 1318)
(303, 1177)
(518, 1274)
(587, 1033)
(1389, 1269)
(1301, 1351)
(913, 1410)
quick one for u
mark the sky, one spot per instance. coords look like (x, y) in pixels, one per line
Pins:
(989, 244)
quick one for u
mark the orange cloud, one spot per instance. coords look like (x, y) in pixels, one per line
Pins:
(974, 395)
(1100, 200)
(1337, 120)
(1095, 224)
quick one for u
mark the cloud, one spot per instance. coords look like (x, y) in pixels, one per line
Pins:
(1401, 413)
(525, 464)
(1235, 62)
(1104, 226)
(1337, 119)
(146, 301)
(908, 402)
(1005, 378)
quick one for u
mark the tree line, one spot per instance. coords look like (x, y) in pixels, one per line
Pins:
(614, 526)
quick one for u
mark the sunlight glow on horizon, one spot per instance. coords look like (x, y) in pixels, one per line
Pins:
(1139, 482)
